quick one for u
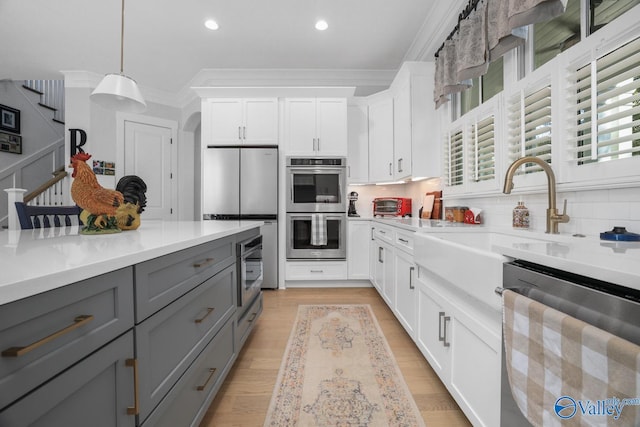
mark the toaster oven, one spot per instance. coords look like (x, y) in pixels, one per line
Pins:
(392, 206)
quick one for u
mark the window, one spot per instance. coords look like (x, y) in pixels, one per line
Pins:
(606, 94)
(454, 159)
(484, 87)
(555, 36)
(529, 118)
(482, 159)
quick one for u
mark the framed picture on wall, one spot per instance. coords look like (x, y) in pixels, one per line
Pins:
(9, 119)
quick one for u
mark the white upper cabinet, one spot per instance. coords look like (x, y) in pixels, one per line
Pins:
(316, 126)
(416, 144)
(381, 139)
(402, 129)
(358, 145)
(233, 121)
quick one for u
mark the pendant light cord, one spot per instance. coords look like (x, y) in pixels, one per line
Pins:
(122, 41)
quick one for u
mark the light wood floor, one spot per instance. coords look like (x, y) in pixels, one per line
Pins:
(244, 397)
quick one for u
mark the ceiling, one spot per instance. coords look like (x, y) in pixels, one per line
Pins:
(166, 43)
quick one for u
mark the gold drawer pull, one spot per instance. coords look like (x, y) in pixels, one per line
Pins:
(19, 351)
(135, 409)
(212, 372)
(209, 311)
(204, 263)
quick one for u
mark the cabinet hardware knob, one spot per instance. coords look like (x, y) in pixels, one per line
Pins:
(411, 277)
(19, 351)
(209, 311)
(253, 317)
(380, 248)
(135, 409)
(212, 372)
(316, 271)
(204, 263)
(239, 132)
(403, 240)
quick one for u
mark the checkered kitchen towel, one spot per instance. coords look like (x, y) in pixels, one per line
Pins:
(565, 372)
(318, 230)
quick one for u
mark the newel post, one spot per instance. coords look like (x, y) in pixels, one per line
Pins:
(14, 195)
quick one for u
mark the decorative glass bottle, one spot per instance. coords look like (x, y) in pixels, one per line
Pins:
(521, 216)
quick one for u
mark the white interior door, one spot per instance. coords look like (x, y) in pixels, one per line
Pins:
(148, 154)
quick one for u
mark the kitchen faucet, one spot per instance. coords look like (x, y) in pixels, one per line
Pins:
(553, 218)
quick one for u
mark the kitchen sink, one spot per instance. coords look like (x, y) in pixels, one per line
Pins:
(467, 259)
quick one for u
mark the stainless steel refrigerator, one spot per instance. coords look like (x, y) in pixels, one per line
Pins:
(242, 183)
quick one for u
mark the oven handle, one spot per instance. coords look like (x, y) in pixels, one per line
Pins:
(315, 170)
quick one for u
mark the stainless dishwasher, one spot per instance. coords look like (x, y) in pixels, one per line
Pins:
(610, 307)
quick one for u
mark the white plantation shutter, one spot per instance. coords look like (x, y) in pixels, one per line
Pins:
(606, 96)
(529, 117)
(454, 158)
(482, 160)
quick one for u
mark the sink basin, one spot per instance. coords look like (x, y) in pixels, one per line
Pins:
(465, 260)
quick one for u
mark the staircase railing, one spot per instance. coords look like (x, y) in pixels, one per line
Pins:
(51, 95)
(50, 193)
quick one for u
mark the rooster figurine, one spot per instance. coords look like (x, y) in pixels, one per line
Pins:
(104, 210)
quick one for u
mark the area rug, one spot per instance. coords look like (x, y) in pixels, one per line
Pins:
(338, 370)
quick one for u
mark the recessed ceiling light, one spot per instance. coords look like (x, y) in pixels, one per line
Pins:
(321, 25)
(211, 24)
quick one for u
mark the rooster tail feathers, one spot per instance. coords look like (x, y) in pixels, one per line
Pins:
(134, 189)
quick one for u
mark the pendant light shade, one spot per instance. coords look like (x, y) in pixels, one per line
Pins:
(117, 91)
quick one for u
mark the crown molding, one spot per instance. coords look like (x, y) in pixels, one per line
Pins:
(429, 38)
(342, 81)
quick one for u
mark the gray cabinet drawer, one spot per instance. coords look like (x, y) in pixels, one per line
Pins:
(248, 320)
(55, 329)
(162, 280)
(94, 392)
(187, 402)
(169, 341)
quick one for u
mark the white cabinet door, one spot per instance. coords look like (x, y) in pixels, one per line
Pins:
(260, 121)
(300, 125)
(381, 140)
(389, 282)
(406, 301)
(316, 126)
(373, 255)
(402, 136)
(225, 118)
(357, 256)
(240, 121)
(331, 126)
(358, 144)
(433, 326)
(479, 389)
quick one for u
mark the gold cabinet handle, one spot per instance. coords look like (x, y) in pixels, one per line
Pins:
(135, 409)
(19, 351)
(209, 311)
(206, 262)
(212, 372)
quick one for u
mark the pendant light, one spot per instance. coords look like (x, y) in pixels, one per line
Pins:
(117, 91)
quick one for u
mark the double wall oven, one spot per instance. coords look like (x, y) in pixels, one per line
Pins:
(316, 208)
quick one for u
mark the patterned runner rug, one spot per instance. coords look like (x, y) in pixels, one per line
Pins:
(338, 370)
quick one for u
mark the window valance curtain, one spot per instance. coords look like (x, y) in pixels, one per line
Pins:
(486, 30)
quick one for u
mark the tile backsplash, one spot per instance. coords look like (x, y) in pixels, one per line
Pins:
(591, 211)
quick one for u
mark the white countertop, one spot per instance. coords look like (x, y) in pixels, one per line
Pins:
(34, 261)
(614, 262)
